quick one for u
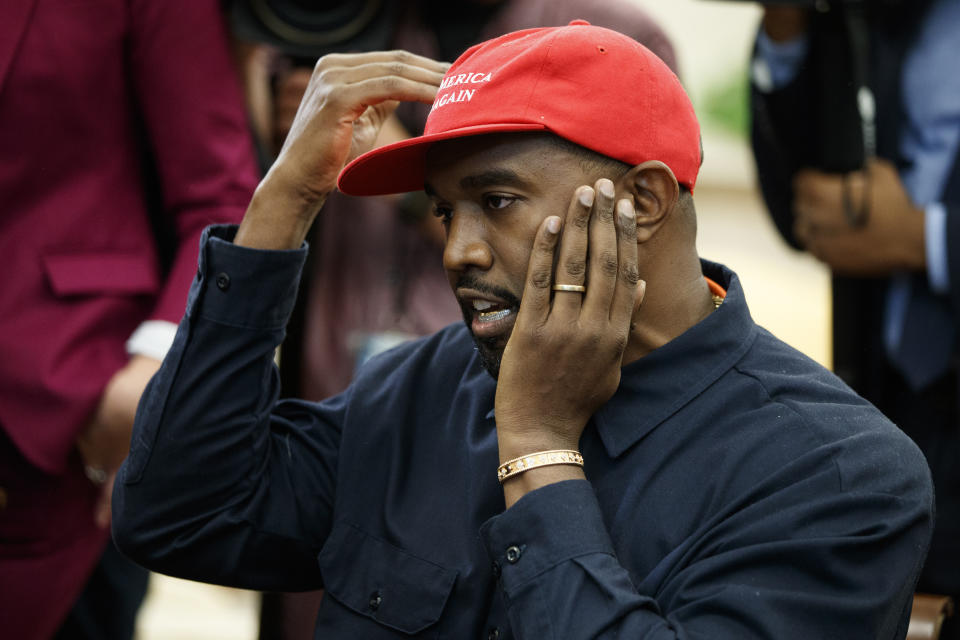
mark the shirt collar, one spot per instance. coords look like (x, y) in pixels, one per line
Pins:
(657, 385)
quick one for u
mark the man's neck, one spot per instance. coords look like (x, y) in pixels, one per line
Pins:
(676, 299)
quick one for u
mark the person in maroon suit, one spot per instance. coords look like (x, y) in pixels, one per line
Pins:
(98, 101)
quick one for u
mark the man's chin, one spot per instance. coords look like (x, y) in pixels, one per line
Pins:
(491, 353)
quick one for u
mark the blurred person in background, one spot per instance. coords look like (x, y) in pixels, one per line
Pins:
(373, 277)
(856, 131)
(122, 135)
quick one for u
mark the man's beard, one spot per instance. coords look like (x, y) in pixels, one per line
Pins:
(490, 350)
(491, 353)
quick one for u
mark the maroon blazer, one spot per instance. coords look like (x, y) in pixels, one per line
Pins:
(88, 89)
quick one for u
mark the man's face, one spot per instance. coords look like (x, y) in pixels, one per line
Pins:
(492, 192)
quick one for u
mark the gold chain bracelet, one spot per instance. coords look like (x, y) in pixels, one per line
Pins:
(517, 466)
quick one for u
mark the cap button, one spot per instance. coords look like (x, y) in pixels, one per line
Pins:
(579, 22)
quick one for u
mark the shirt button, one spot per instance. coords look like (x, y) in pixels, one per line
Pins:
(494, 634)
(223, 281)
(496, 569)
(513, 554)
(375, 600)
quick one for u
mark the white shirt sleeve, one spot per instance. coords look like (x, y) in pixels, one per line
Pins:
(152, 338)
(935, 237)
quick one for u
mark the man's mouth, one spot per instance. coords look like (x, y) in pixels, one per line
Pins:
(489, 312)
(488, 317)
(491, 319)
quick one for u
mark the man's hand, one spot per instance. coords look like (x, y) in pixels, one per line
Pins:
(563, 359)
(291, 87)
(347, 101)
(892, 238)
(105, 442)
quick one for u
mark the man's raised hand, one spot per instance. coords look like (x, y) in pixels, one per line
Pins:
(347, 100)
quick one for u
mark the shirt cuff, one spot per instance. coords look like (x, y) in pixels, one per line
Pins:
(544, 528)
(152, 338)
(935, 239)
(776, 64)
(244, 287)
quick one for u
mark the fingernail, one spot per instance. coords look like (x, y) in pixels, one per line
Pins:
(625, 208)
(606, 188)
(586, 196)
(553, 224)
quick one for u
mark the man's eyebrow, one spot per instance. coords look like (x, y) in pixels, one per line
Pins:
(484, 179)
(492, 177)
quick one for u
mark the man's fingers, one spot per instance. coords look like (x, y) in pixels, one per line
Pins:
(641, 294)
(535, 305)
(628, 276)
(821, 199)
(572, 262)
(344, 85)
(816, 193)
(356, 97)
(373, 57)
(355, 74)
(603, 264)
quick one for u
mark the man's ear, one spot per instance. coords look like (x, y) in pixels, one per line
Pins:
(655, 192)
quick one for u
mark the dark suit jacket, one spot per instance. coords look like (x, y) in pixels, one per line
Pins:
(98, 99)
(792, 128)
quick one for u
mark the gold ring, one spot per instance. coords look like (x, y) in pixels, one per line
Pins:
(576, 288)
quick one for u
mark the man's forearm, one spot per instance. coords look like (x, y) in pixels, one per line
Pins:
(195, 496)
(278, 218)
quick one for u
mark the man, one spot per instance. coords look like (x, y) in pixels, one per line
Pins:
(668, 469)
(371, 278)
(888, 230)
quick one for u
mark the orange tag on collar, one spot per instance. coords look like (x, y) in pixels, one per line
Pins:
(715, 289)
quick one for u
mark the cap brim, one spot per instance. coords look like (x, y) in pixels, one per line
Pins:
(399, 167)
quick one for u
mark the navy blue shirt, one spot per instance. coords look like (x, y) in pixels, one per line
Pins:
(735, 489)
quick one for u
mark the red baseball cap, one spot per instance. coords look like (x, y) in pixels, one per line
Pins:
(590, 85)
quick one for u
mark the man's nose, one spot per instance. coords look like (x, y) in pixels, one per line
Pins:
(467, 245)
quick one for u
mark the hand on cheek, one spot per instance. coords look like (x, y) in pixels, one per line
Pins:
(563, 359)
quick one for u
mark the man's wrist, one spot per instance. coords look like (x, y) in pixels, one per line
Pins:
(515, 443)
(278, 218)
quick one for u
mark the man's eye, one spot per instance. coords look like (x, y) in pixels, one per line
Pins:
(444, 213)
(494, 201)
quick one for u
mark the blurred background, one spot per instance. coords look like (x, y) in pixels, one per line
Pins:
(788, 292)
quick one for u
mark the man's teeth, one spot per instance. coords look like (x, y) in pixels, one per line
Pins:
(490, 312)
(495, 315)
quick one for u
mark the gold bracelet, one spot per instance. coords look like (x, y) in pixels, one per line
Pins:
(517, 466)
